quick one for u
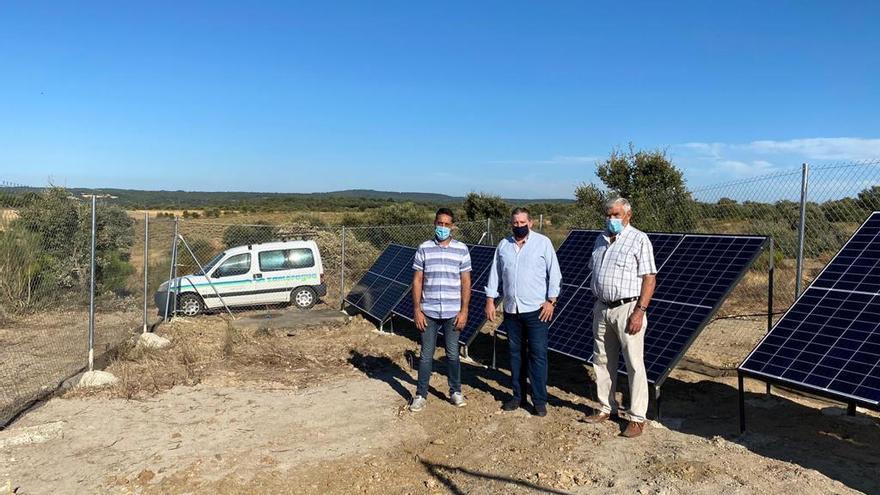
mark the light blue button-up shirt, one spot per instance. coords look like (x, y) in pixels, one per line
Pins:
(530, 273)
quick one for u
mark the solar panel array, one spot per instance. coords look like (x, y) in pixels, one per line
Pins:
(481, 263)
(829, 340)
(385, 283)
(695, 273)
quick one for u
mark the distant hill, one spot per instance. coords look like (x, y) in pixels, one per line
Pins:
(351, 198)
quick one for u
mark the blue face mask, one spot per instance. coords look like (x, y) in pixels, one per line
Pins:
(614, 225)
(442, 233)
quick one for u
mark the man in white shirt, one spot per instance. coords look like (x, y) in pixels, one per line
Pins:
(624, 277)
(526, 268)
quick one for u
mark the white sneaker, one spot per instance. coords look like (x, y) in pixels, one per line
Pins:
(418, 404)
(458, 399)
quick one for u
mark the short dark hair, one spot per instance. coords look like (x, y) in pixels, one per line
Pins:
(445, 211)
(519, 209)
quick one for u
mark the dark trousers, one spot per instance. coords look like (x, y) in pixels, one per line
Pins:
(426, 359)
(526, 330)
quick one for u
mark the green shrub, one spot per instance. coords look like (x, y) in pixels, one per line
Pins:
(25, 278)
(240, 235)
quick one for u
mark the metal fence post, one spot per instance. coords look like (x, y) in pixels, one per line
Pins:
(489, 230)
(805, 174)
(541, 223)
(146, 263)
(92, 289)
(342, 273)
(171, 274)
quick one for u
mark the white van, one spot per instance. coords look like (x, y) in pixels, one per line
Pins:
(269, 273)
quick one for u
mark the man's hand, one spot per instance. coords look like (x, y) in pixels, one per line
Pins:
(490, 309)
(546, 311)
(634, 324)
(421, 322)
(461, 320)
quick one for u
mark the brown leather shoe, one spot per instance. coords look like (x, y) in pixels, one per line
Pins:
(596, 417)
(634, 429)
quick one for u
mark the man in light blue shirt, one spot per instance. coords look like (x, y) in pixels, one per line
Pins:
(526, 265)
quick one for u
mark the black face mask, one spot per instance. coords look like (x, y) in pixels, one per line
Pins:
(521, 232)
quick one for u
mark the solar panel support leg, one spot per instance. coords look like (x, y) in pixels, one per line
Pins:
(742, 403)
(464, 352)
(851, 409)
(656, 393)
(494, 341)
(769, 389)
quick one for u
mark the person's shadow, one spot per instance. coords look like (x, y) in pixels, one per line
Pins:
(385, 369)
(494, 382)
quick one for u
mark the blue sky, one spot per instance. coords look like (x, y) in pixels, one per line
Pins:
(514, 98)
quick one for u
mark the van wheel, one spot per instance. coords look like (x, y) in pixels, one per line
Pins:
(303, 298)
(189, 304)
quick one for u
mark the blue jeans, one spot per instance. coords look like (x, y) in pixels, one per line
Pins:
(426, 359)
(528, 327)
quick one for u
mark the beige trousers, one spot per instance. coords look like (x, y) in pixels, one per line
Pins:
(609, 331)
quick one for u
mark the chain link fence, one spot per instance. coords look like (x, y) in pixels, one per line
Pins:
(809, 213)
(45, 238)
(346, 252)
(45, 288)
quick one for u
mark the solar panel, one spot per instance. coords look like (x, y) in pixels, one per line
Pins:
(702, 268)
(857, 266)
(481, 262)
(828, 342)
(574, 256)
(664, 245)
(385, 283)
(695, 272)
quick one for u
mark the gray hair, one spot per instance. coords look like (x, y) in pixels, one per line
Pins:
(618, 201)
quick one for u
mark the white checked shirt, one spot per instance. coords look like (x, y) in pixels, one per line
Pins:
(619, 267)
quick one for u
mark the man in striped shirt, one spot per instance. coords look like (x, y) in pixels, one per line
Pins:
(623, 283)
(441, 292)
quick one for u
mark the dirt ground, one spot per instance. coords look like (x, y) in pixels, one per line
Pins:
(37, 351)
(316, 404)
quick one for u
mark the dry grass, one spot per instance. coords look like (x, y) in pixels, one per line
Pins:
(214, 348)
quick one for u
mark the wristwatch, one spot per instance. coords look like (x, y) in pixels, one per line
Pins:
(643, 308)
(552, 303)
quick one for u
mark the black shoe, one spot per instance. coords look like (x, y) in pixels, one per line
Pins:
(511, 405)
(540, 410)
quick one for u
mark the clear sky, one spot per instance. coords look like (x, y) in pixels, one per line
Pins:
(513, 98)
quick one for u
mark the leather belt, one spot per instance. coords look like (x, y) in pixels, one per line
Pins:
(619, 302)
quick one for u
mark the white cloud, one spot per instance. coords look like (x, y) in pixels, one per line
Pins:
(556, 160)
(745, 169)
(720, 161)
(841, 148)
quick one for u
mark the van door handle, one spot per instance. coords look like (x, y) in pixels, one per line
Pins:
(258, 275)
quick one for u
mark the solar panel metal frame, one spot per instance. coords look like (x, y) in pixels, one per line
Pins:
(663, 376)
(383, 318)
(803, 387)
(474, 277)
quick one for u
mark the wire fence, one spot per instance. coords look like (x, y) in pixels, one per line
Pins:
(44, 261)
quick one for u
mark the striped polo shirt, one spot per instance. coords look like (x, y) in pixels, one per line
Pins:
(442, 267)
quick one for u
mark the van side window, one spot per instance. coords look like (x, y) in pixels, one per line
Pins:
(286, 259)
(236, 265)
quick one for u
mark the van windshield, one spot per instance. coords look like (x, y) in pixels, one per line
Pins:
(211, 264)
